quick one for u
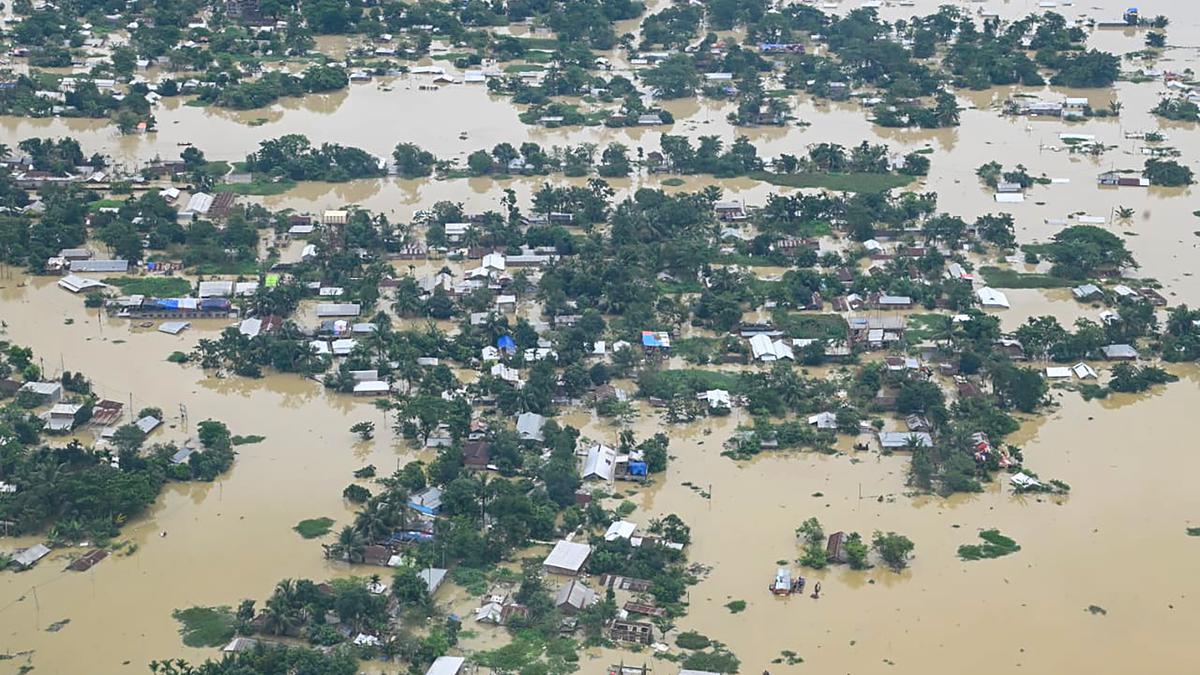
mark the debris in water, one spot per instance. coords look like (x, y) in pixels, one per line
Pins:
(57, 626)
(1097, 609)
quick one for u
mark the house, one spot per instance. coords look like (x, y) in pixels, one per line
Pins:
(1116, 179)
(147, 424)
(173, 327)
(600, 463)
(892, 440)
(1120, 352)
(824, 421)
(240, 644)
(48, 393)
(655, 340)
(332, 309)
(1084, 372)
(876, 331)
(717, 398)
(1087, 291)
(529, 426)
(835, 547)
(574, 597)
(635, 632)
(1058, 372)
(335, 217)
(371, 388)
(477, 454)
(29, 557)
(100, 266)
(567, 558)
(884, 301)
(215, 289)
(76, 284)
(63, 416)
(990, 297)
(456, 231)
(765, 349)
(427, 501)
(730, 210)
(433, 578)
(917, 423)
(621, 529)
(446, 665)
(506, 303)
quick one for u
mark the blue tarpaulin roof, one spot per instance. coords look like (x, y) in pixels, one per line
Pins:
(637, 468)
(506, 342)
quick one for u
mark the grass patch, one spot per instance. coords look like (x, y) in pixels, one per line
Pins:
(473, 579)
(95, 206)
(314, 527)
(158, 287)
(257, 187)
(248, 439)
(178, 357)
(1193, 531)
(514, 68)
(994, 545)
(810, 326)
(205, 626)
(927, 326)
(1003, 278)
(673, 182)
(841, 182)
(736, 606)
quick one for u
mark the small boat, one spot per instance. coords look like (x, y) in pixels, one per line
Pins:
(783, 582)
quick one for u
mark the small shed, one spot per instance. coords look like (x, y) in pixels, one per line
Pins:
(446, 665)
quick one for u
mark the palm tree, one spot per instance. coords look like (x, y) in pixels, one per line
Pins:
(1124, 213)
(349, 546)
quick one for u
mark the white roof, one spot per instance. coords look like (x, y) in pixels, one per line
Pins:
(215, 289)
(250, 327)
(199, 203)
(601, 462)
(899, 439)
(147, 424)
(76, 284)
(767, 350)
(344, 346)
(990, 297)
(568, 555)
(1119, 351)
(622, 529)
(371, 387)
(1083, 371)
(1010, 197)
(446, 665)
(115, 265)
(327, 309)
(1023, 480)
(173, 327)
(321, 346)
(1058, 372)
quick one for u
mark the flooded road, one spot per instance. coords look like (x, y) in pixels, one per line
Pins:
(1117, 541)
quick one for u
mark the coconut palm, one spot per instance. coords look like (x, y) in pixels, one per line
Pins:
(1124, 213)
(350, 545)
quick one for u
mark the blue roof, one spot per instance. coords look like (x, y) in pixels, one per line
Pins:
(637, 468)
(506, 342)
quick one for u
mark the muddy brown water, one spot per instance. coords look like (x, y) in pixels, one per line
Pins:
(1117, 542)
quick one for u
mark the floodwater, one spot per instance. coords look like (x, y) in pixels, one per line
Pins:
(1117, 541)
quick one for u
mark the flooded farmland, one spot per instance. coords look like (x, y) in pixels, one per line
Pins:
(1117, 543)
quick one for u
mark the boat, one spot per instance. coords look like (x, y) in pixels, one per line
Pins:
(783, 582)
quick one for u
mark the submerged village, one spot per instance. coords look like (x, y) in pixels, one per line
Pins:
(598, 336)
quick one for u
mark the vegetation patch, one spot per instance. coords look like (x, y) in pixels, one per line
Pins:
(158, 287)
(673, 182)
(994, 545)
(247, 440)
(205, 626)
(473, 579)
(692, 640)
(736, 606)
(927, 326)
(314, 527)
(1004, 278)
(841, 182)
(1193, 531)
(525, 654)
(257, 187)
